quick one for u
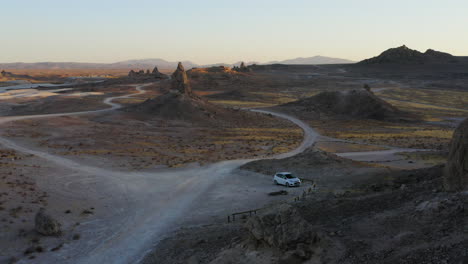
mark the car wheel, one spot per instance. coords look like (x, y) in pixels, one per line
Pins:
(286, 184)
(275, 182)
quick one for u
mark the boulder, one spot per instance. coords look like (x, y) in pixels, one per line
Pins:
(46, 225)
(180, 81)
(456, 170)
(285, 229)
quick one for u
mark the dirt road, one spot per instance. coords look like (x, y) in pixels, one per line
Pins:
(136, 209)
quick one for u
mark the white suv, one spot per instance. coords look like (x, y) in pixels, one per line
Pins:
(286, 179)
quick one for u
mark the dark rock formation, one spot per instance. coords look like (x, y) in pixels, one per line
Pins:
(284, 229)
(367, 87)
(456, 171)
(46, 225)
(242, 68)
(180, 81)
(132, 74)
(404, 55)
(158, 75)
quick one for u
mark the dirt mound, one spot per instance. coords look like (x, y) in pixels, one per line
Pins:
(359, 104)
(174, 106)
(177, 106)
(456, 174)
(404, 55)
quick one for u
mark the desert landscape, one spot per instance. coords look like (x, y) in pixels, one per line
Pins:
(236, 148)
(93, 155)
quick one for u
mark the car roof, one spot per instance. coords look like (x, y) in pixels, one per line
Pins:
(283, 173)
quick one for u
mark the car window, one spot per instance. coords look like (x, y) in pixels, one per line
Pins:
(290, 176)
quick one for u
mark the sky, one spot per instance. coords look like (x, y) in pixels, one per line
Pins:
(214, 31)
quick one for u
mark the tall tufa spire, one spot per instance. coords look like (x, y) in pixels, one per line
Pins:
(180, 81)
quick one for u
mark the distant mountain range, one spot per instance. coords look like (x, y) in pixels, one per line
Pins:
(160, 63)
(130, 64)
(312, 60)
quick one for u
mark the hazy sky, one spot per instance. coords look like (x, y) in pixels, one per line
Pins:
(210, 31)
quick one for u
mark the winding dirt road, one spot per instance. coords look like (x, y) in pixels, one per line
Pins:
(136, 209)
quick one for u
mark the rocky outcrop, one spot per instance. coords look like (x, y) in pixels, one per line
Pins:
(285, 229)
(46, 225)
(405, 55)
(180, 81)
(242, 68)
(456, 171)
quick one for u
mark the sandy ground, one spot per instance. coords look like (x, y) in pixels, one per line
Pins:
(386, 157)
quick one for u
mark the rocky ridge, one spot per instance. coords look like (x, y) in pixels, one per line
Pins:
(405, 55)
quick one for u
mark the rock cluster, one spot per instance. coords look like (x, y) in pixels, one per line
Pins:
(46, 225)
(6, 74)
(456, 171)
(180, 81)
(242, 68)
(155, 74)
